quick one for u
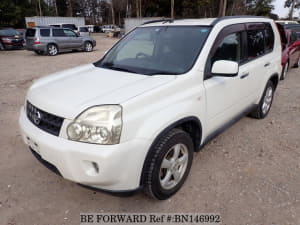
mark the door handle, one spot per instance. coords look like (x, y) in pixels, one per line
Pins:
(244, 75)
(267, 64)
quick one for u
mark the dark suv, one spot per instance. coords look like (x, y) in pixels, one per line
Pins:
(52, 40)
(10, 39)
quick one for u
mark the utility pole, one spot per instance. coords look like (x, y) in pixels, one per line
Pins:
(172, 9)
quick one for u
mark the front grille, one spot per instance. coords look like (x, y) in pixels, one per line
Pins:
(43, 120)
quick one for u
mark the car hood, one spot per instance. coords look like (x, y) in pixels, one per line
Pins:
(70, 92)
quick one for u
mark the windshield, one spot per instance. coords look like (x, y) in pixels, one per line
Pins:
(9, 32)
(157, 50)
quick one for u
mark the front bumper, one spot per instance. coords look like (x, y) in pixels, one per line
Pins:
(107, 167)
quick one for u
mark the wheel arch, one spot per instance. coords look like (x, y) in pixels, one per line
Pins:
(192, 125)
(274, 79)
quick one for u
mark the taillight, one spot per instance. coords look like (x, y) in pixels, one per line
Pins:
(37, 41)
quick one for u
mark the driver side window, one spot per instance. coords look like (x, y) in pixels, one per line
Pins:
(69, 33)
(230, 48)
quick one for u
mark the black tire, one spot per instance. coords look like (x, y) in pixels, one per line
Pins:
(38, 52)
(88, 46)
(284, 71)
(52, 50)
(260, 112)
(153, 171)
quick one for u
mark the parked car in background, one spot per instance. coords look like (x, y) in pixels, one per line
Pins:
(110, 28)
(83, 31)
(10, 39)
(52, 40)
(133, 119)
(65, 25)
(290, 52)
(294, 27)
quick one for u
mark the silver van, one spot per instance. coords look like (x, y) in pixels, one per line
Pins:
(52, 40)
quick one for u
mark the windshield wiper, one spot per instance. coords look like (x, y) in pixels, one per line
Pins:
(118, 68)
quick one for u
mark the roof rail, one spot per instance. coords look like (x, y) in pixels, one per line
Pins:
(217, 20)
(157, 21)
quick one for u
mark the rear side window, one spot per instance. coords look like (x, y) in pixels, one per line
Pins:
(30, 32)
(269, 38)
(255, 43)
(45, 32)
(58, 33)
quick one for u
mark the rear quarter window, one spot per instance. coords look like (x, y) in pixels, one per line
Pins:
(30, 32)
(269, 38)
(45, 32)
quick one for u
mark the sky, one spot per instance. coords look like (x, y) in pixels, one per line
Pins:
(281, 11)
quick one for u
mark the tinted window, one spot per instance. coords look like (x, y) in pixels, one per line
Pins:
(255, 43)
(45, 32)
(229, 48)
(69, 33)
(58, 33)
(83, 29)
(30, 32)
(157, 50)
(269, 38)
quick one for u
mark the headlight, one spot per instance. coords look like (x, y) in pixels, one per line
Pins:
(6, 39)
(97, 125)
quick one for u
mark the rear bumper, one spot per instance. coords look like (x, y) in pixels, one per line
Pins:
(39, 47)
(107, 167)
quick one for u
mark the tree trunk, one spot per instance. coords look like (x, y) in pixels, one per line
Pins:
(40, 8)
(140, 8)
(292, 10)
(112, 13)
(220, 8)
(224, 7)
(55, 6)
(172, 9)
(137, 8)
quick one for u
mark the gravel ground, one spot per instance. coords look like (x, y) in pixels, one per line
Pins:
(249, 174)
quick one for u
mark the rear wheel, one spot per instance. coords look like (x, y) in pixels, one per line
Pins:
(88, 46)
(168, 164)
(263, 108)
(284, 71)
(52, 50)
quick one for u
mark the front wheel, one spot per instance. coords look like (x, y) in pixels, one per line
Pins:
(297, 65)
(263, 108)
(88, 47)
(168, 164)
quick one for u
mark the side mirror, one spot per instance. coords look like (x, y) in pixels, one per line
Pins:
(225, 68)
(296, 43)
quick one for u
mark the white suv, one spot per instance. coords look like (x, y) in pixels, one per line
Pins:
(134, 119)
